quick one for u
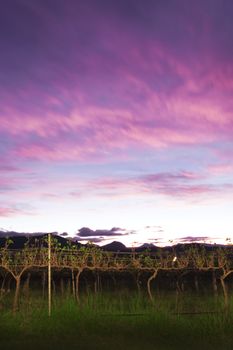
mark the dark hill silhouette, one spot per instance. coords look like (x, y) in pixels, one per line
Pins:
(114, 247)
(146, 246)
(20, 239)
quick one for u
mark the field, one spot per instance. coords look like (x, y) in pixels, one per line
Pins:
(119, 320)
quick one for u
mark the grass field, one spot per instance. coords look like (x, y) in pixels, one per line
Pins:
(120, 321)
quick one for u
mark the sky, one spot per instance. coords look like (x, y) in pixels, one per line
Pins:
(116, 119)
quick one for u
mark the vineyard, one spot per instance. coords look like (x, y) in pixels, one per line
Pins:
(71, 262)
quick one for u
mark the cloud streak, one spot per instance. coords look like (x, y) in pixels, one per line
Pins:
(177, 185)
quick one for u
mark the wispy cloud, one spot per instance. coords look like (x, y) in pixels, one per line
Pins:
(177, 185)
(193, 239)
(10, 211)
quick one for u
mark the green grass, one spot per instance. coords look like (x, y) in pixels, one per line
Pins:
(106, 322)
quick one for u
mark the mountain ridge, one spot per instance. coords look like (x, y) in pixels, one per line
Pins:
(20, 239)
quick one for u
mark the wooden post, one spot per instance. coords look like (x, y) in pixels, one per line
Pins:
(49, 274)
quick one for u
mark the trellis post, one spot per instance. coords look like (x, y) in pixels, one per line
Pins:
(49, 274)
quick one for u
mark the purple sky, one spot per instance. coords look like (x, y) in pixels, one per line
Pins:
(117, 116)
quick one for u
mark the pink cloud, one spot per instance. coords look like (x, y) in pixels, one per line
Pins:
(100, 131)
(134, 93)
(182, 185)
(195, 110)
(5, 212)
(220, 169)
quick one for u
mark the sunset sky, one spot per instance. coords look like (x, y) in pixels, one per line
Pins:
(117, 116)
